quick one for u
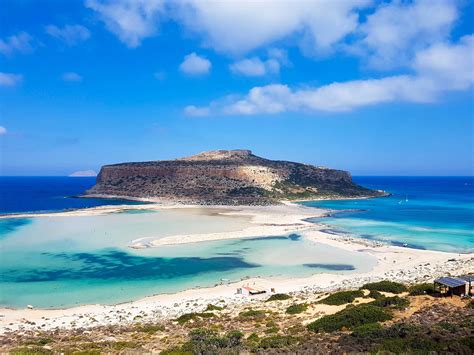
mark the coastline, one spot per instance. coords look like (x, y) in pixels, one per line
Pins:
(397, 263)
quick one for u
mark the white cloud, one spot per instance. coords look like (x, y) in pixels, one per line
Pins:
(3, 131)
(21, 42)
(192, 110)
(396, 31)
(69, 34)
(239, 26)
(72, 77)
(8, 79)
(130, 20)
(195, 65)
(256, 67)
(438, 69)
(83, 173)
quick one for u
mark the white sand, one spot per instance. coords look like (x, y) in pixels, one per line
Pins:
(394, 263)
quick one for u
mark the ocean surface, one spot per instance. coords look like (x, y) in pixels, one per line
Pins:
(434, 213)
(21, 194)
(66, 261)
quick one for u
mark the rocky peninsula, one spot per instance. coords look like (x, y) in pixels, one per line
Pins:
(225, 177)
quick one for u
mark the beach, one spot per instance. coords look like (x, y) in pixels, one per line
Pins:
(392, 262)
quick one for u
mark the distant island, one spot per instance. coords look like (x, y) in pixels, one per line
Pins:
(226, 177)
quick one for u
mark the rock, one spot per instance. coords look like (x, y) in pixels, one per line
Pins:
(225, 177)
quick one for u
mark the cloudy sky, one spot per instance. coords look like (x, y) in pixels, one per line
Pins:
(374, 87)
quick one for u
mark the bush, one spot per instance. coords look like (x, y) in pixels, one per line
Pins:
(391, 302)
(421, 289)
(211, 307)
(375, 294)
(343, 297)
(253, 314)
(350, 318)
(277, 342)
(385, 286)
(150, 328)
(297, 308)
(471, 304)
(278, 297)
(371, 330)
(193, 316)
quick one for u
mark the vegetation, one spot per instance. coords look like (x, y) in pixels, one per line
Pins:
(421, 289)
(297, 308)
(211, 307)
(277, 342)
(253, 314)
(342, 297)
(206, 341)
(193, 316)
(391, 302)
(385, 286)
(149, 328)
(278, 297)
(350, 318)
(375, 294)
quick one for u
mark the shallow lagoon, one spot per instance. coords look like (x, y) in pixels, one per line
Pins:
(65, 261)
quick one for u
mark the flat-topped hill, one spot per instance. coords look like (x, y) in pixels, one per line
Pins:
(226, 177)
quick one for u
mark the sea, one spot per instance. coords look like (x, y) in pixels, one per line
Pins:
(435, 213)
(58, 262)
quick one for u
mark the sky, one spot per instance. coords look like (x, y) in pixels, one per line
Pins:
(373, 87)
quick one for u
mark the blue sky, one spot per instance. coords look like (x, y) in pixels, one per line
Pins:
(376, 88)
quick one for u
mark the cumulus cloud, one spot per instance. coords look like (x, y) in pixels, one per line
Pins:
(438, 69)
(131, 20)
(3, 131)
(9, 79)
(392, 35)
(69, 34)
(193, 64)
(72, 77)
(22, 42)
(322, 22)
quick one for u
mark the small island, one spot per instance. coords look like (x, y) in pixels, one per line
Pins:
(226, 177)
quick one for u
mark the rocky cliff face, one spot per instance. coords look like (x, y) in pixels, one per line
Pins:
(225, 177)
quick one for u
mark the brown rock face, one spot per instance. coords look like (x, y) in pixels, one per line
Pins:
(225, 177)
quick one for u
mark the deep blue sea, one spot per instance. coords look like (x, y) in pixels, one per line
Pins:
(423, 212)
(46, 193)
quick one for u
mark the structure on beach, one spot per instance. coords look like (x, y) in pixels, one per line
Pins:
(251, 290)
(460, 286)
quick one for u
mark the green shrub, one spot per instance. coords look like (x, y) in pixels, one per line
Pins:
(375, 294)
(253, 314)
(391, 302)
(350, 318)
(471, 304)
(192, 316)
(385, 286)
(342, 297)
(150, 328)
(211, 307)
(297, 308)
(421, 289)
(277, 342)
(278, 297)
(370, 330)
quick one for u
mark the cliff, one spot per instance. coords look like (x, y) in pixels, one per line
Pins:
(225, 177)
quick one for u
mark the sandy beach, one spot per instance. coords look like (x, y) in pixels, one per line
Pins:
(395, 263)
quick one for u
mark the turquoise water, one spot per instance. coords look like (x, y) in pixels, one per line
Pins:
(66, 261)
(434, 213)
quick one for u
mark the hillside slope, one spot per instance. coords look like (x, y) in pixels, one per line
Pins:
(225, 177)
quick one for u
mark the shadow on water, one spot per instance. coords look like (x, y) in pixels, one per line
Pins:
(119, 265)
(10, 225)
(332, 267)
